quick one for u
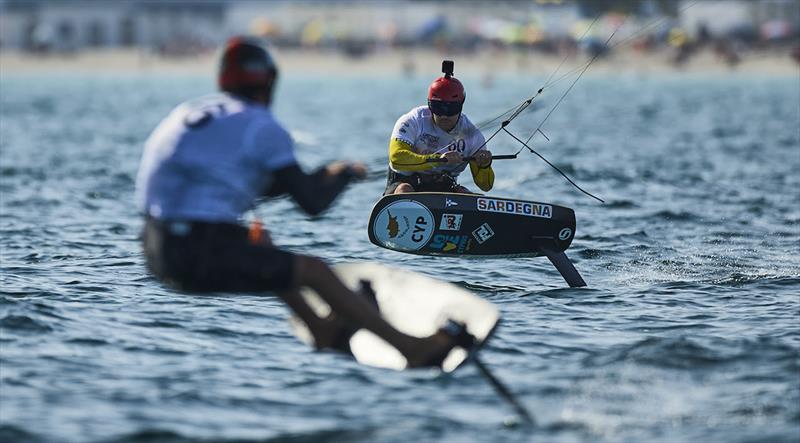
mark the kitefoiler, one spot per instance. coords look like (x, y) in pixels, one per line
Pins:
(425, 211)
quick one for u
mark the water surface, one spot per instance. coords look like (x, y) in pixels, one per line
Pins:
(689, 330)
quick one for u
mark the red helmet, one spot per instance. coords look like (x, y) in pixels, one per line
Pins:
(246, 63)
(446, 95)
(447, 89)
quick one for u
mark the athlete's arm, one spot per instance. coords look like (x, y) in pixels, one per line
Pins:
(316, 191)
(403, 158)
(483, 177)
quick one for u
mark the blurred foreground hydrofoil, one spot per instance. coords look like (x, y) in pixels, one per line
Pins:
(412, 303)
(416, 305)
(475, 226)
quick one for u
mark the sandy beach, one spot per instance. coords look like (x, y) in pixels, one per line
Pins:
(389, 61)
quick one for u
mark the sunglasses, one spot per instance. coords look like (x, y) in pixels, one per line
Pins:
(439, 107)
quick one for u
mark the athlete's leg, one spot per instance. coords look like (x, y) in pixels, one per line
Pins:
(397, 187)
(461, 189)
(356, 310)
(403, 188)
(326, 331)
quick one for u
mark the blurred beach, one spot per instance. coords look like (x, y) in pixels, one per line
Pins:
(407, 37)
(401, 61)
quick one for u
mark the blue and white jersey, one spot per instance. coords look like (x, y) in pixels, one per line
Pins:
(210, 159)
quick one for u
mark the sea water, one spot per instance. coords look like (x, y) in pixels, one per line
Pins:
(689, 330)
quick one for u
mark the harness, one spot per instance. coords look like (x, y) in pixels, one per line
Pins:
(441, 182)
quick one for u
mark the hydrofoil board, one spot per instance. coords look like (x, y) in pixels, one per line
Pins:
(414, 304)
(475, 226)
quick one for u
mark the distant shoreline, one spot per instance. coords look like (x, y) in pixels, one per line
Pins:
(426, 62)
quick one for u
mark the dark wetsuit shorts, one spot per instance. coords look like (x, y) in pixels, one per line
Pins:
(206, 257)
(422, 182)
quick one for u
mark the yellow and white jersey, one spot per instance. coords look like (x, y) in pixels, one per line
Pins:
(416, 129)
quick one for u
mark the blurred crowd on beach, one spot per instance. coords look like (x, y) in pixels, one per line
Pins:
(674, 29)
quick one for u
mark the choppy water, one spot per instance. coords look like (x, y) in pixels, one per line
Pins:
(689, 331)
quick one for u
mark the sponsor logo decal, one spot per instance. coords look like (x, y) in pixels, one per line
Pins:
(451, 222)
(565, 234)
(404, 225)
(450, 243)
(448, 203)
(429, 140)
(515, 207)
(393, 226)
(483, 233)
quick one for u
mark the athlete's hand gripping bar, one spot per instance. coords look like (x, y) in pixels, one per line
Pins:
(466, 159)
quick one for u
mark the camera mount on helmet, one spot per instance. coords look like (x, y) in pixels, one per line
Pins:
(447, 68)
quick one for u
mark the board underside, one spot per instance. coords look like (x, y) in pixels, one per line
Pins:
(470, 225)
(414, 304)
